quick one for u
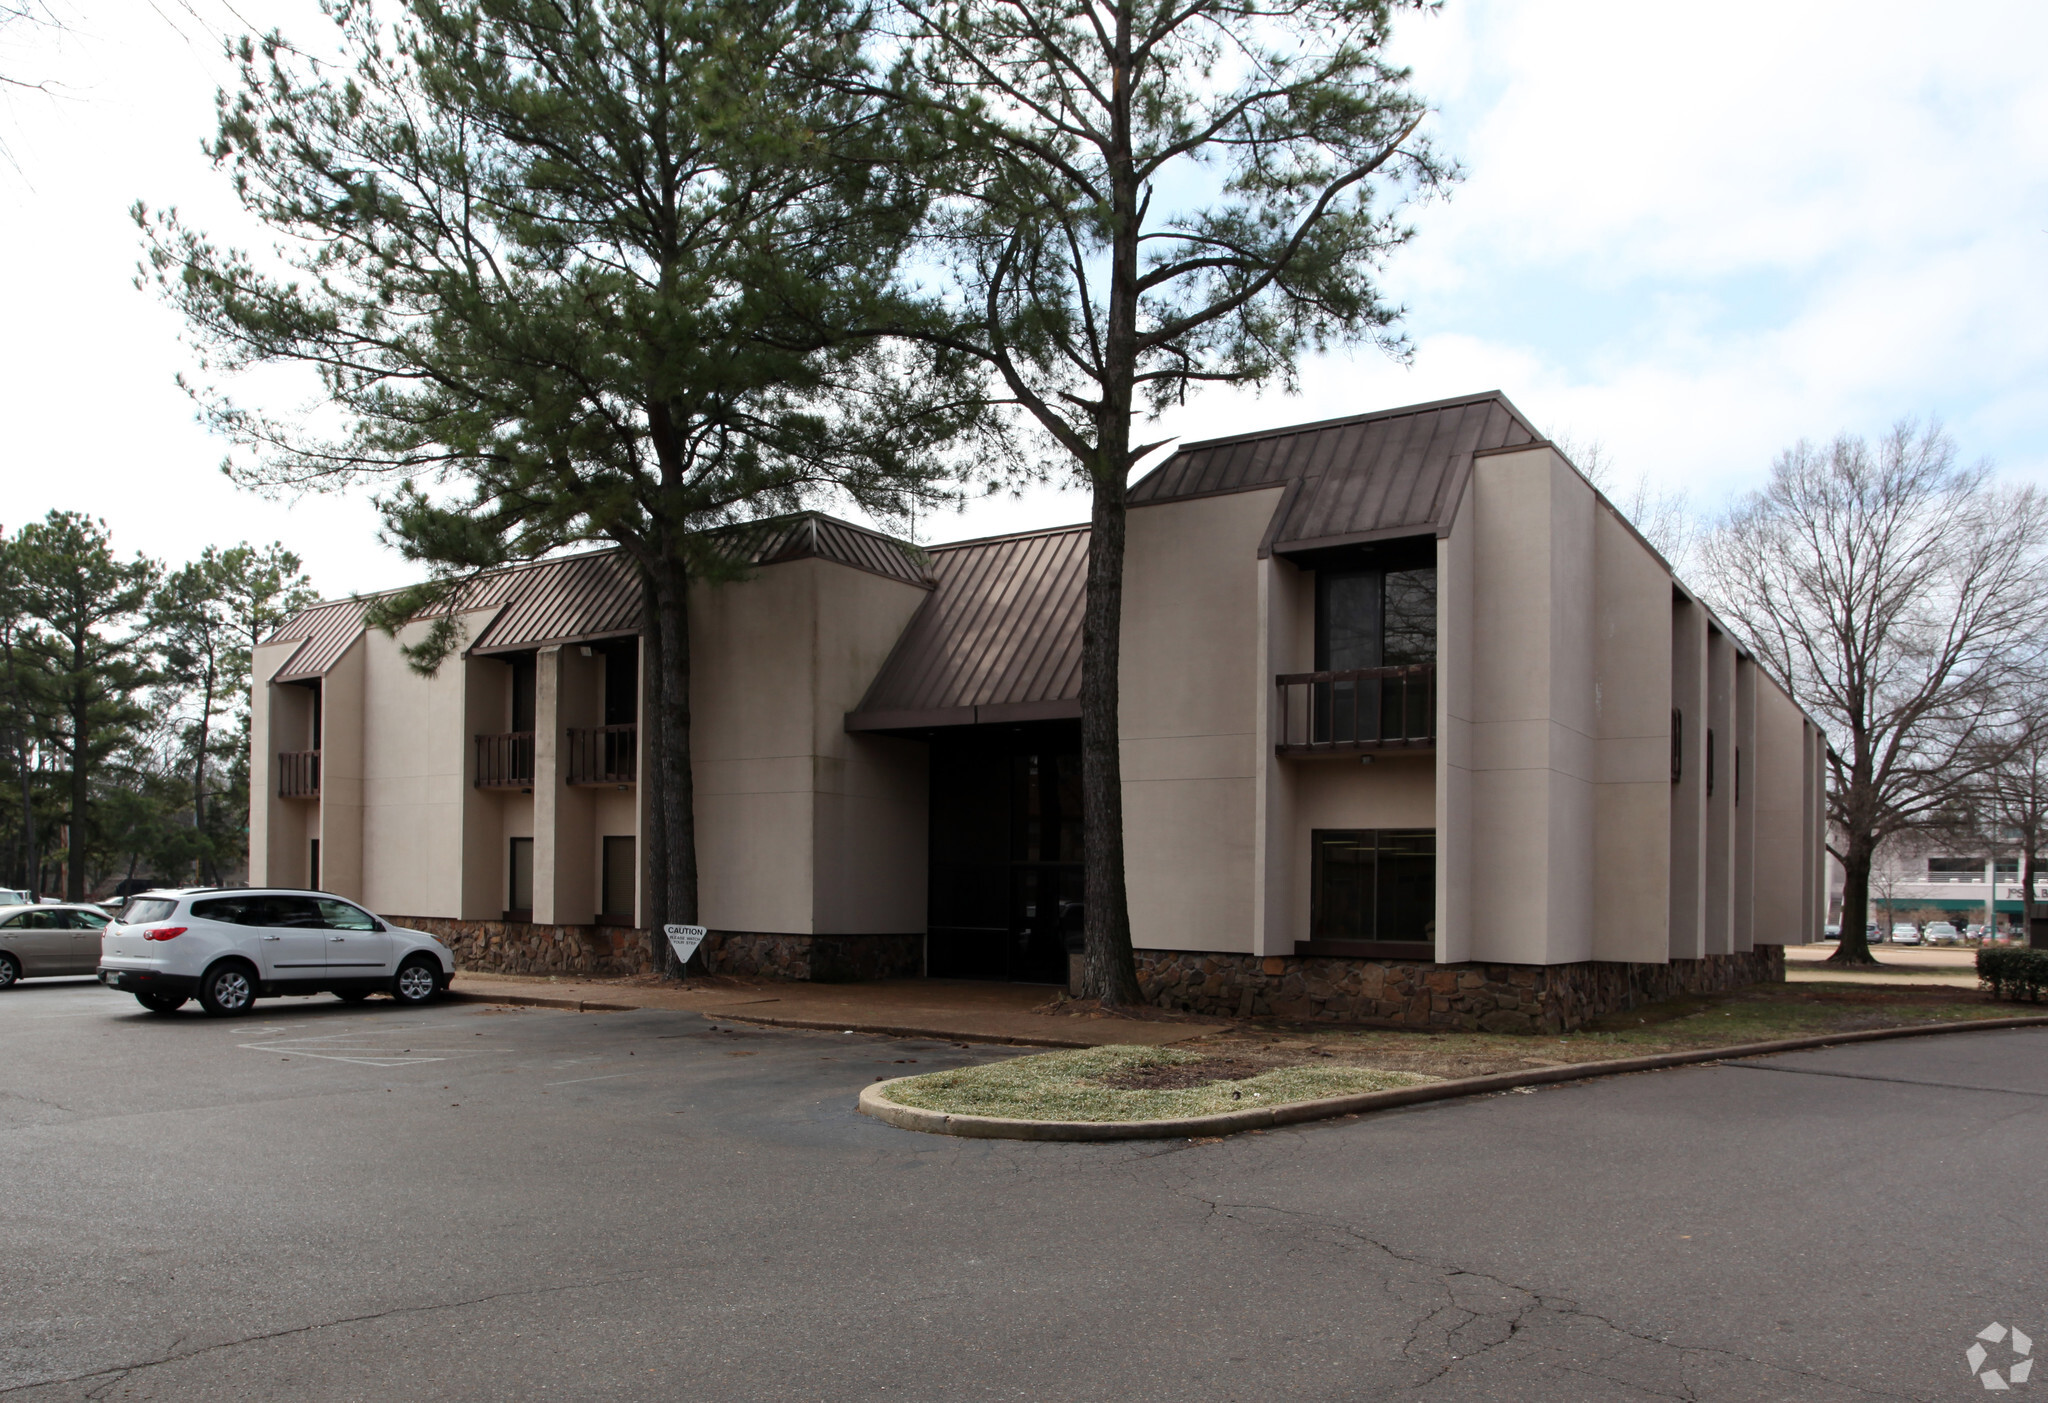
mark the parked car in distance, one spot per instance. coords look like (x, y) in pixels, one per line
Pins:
(41, 940)
(229, 948)
(1940, 931)
(15, 896)
(1830, 933)
(1905, 933)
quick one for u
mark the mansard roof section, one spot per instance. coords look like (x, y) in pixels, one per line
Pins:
(807, 535)
(596, 594)
(568, 599)
(1367, 477)
(323, 632)
(999, 639)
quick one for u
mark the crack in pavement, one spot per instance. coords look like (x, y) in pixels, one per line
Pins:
(114, 1373)
(1532, 1307)
(1871, 1076)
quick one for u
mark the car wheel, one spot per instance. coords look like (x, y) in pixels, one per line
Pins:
(10, 970)
(353, 996)
(417, 982)
(227, 990)
(161, 1003)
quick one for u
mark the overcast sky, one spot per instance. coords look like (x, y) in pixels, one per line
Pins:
(1691, 243)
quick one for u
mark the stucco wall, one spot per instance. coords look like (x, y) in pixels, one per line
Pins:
(801, 828)
(871, 791)
(1194, 693)
(1632, 719)
(415, 774)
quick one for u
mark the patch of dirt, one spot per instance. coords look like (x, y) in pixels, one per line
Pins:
(1185, 1074)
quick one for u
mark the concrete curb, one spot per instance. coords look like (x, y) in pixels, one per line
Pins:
(534, 1001)
(893, 1030)
(873, 1102)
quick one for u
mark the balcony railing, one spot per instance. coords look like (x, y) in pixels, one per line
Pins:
(1361, 710)
(604, 754)
(505, 761)
(298, 774)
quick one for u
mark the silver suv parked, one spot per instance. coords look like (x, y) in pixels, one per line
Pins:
(230, 948)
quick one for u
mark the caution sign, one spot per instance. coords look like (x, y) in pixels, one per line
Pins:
(684, 940)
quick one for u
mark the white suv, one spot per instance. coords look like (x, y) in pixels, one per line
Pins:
(230, 948)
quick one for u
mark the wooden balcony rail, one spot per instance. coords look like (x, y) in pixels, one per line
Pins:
(604, 754)
(298, 774)
(505, 761)
(1360, 710)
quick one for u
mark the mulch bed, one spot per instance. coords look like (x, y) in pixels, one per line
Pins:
(1186, 1074)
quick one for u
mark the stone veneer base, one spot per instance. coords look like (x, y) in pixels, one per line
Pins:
(1488, 998)
(522, 947)
(1472, 997)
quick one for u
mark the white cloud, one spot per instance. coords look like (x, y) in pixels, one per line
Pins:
(1693, 234)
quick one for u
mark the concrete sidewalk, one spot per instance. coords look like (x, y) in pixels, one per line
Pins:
(954, 1010)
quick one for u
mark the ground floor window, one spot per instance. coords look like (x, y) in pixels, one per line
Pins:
(1374, 884)
(618, 881)
(519, 896)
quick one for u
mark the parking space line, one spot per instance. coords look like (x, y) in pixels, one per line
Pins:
(574, 1080)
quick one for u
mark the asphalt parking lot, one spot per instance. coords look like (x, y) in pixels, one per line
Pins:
(324, 1202)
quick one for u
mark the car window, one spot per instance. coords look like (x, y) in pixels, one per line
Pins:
(45, 920)
(18, 921)
(88, 920)
(143, 909)
(293, 912)
(339, 915)
(232, 910)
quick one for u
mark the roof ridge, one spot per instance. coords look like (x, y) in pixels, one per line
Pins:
(1398, 411)
(1008, 536)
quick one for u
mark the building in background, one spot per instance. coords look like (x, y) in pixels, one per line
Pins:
(1416, 727)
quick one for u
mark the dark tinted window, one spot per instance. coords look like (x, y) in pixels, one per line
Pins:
(231, 910)
(293, 912)
(147, 908)
(1375, 618)
(1374, 884)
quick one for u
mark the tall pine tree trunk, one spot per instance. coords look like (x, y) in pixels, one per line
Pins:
(675, 794)
(74, 865)
(656, 856)
(1109, 970)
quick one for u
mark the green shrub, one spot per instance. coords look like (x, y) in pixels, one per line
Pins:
(2014, 972)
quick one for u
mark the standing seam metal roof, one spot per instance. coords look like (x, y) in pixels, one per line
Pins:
(1394, 472)
(596, 594)
(999, 640)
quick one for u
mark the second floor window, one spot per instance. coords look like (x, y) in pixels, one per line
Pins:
(1375, 618)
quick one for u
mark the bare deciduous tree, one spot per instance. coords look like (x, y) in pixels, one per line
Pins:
(1900, 596)
(2012, 798)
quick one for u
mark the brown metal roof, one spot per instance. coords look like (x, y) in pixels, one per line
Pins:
(565, 600)
(808, 534)
(999, 640)
(1390, 473)
(327, 631)
(596, 594)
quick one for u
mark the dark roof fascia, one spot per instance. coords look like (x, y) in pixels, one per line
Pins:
(1361, 538)
(554, 643)
(1007, 713)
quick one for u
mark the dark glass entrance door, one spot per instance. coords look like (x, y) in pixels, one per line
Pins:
(1005, 851)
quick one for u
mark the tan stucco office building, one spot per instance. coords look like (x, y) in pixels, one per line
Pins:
(1415, 727)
